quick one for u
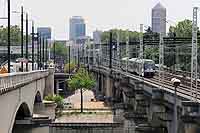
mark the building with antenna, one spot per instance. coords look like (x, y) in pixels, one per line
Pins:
(159, 18)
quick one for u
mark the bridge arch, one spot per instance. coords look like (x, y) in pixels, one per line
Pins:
(22, 112)
(38, 97)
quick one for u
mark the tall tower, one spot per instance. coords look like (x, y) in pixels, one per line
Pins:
(77, 28)
(159, 19)
(97, 36)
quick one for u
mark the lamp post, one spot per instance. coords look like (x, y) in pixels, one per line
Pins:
(54, 53)
(46, 53)
(43, 54)
(176, 83)
(22, 37)
(27, 42)
(8, 36)
(69, 60)
(33, 38)
(110, 63)
(38, 51)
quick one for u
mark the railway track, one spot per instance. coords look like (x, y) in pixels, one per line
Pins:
(184, 88)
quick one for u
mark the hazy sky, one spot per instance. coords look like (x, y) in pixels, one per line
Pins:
(99, 14)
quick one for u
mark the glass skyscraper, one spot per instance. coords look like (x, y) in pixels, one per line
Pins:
(159, 18)
(44, 32)
(77, 28)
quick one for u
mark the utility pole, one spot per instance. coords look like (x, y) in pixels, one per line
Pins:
(43, 54)
(33, 34)
(110, 63)
(38, 51)
(141, 54)
(78, 57)
(22, 38)
(69, 59)
(88, 54)
(194, 54)
(54, 53)
(8, 36)
(94, 54)
(161, 59)
(27, 42)
(46, 52)
(118, 49)
(127, 49)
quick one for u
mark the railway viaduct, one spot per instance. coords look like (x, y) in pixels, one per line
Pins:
(18, 94)
(142, 104)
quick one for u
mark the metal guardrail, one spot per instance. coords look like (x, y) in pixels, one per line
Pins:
(12, 80)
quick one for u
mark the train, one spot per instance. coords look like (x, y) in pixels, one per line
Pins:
(143, 67)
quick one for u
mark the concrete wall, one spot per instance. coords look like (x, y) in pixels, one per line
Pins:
(18, 94)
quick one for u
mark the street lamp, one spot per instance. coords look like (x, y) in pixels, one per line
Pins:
(176, 83)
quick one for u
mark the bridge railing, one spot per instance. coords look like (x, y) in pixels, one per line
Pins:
(10, 81)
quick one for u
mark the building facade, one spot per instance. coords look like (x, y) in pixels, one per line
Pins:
(44, 32)
(97, 36)
(159, 19)
(77, 27)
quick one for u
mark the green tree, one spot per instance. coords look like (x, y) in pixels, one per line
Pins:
(15, 35)
(152, 53)
(81, 80)
(133, 35)
(72, 67)
(60, 49)
(182, 29)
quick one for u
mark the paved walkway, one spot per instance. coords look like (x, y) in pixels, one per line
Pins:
(97, 111)
(87, 103)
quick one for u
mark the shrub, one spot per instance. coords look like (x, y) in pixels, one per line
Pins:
(49, 98)
(57, 99)
(72, 67)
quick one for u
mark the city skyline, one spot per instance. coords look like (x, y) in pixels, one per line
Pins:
(125, 14)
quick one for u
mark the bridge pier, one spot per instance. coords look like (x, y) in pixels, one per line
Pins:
(49, 83)
(146, 106)
(191, 117)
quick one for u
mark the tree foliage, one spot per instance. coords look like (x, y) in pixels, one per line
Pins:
(72, 67)
(60, 49)
(182, 29)
(133, 35)
(152, 53)
(82, 79)
(15, 35)
(57, 99)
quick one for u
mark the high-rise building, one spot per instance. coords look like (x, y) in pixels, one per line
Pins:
(77, 28)
(97, 36)
(45, 32)
(159, 19)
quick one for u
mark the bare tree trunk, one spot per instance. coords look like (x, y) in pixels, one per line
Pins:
(81, 100)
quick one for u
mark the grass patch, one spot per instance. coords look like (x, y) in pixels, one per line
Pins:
(86, 113)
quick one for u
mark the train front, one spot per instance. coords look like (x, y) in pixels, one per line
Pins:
(149, 68)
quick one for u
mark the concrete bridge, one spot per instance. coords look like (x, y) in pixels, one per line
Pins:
(18, 94)
(142, 105)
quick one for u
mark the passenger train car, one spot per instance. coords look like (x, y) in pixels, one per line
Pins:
(144, 67)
